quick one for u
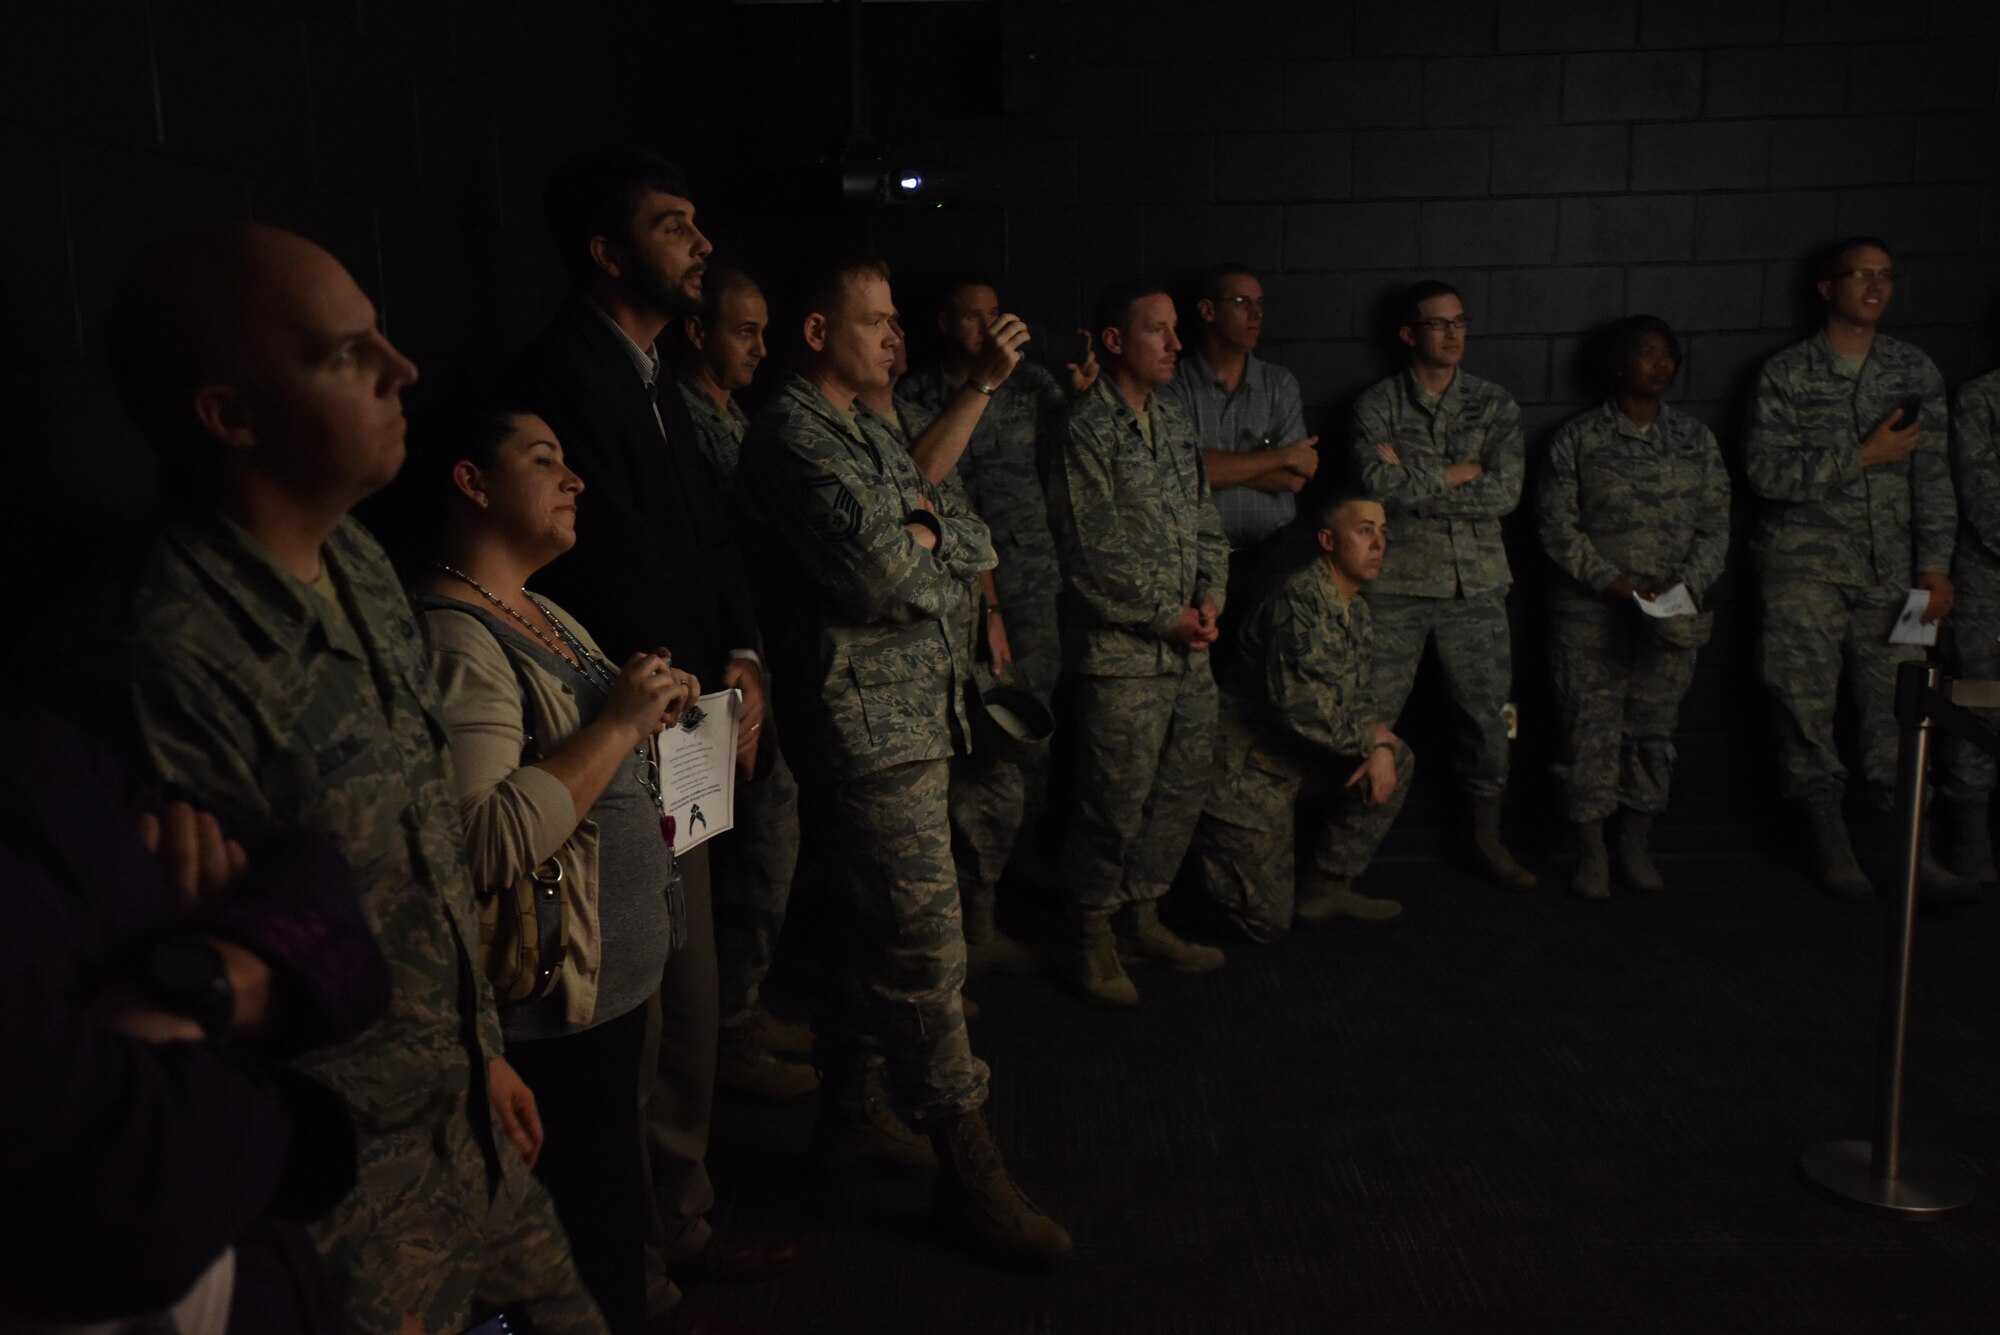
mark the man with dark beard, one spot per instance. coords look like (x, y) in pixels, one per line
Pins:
(655, 565)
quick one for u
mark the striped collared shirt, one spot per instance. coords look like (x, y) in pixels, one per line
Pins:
(1264, 411)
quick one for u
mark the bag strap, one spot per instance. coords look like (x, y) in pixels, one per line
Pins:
(548, 876)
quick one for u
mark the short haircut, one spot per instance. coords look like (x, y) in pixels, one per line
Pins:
(1416, 294)
(1614, 343)
(599, 196)
(818, 286)
(1216, 275)
(954, 283)
(1832, 261)
(1341, 496)
(717, 282)
(175, 324)
(1115, 304)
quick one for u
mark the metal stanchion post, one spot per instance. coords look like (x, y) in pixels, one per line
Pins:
(1881, 1175)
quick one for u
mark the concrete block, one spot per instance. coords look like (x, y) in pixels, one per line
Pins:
(1948, 289)
(933, 242)
(1194, 236)
(1345, 94)
(1308, 305)
(1447, 27)
(1643, 85)
(1283, 167)
(1701, 155)
(1698, 297)
(1937, 75)
(1241, 94)
(1492, 90)
(1567, 25)
(1076, 240)
(1791, 301)
(1841, 150)
(1518, 365)
(1330, 373)
(1560, 159)
(1014, 170)
(1707, 23)
(1628, 227)
(1914, 219)
(1565, 299)
(1143, 169)
(1724, 367)
(1956, 145)
(1400, 164)
(1343, 237)
(1498, 231)
(82, 70)
(1776, 81)
(1762, 226)
(240, 121)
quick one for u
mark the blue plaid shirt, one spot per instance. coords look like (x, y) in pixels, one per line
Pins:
(1264, 412)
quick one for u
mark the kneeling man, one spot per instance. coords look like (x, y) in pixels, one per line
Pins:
(1298, 712)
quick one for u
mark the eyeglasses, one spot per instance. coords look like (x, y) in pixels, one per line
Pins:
(1438, 326)
(1244, 303)
(1869, 275)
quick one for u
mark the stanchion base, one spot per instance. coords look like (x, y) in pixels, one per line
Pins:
(1928, 1184)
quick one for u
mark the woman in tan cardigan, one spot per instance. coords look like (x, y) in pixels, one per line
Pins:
(558, 783)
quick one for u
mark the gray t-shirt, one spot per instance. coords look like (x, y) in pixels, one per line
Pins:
(635, 871)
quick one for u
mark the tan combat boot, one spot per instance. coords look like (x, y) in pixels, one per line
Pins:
(990, 950)
(1972, 842)
(1635, 856)
(1093, 964)
(1147, 940)
(974, 1194)
(1321, 899)
(1494, 859)
(860, 1131)
(1833, 860)
(743, 1068)
(786, 1038)
(1592, 877)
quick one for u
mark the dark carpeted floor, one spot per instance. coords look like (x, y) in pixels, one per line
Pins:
(1496, 1113)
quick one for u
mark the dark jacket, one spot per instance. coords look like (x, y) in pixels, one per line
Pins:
(144, 1161)
(655, 562)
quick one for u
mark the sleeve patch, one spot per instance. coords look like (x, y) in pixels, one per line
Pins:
(831, 511)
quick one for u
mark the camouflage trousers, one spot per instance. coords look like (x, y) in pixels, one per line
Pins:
(894, 988)
(1619, 688)
(992, 799)
(1245, 849)
(1967, 773)
(1475, 652)
(752, 868)
(1144, 746)
(1811, 630)
(426, 1233)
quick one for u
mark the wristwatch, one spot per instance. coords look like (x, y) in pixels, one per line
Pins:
(186, 975)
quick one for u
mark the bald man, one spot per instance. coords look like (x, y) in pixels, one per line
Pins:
(278, 676)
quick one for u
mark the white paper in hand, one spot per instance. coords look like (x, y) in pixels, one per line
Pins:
(1910, 627)
(1675, 602)
(698, 769)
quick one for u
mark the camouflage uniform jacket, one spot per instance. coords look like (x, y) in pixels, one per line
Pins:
(253, 700)
(717, 433)
(1001, 471)
(1825, 518)
(1652, 505)
(862, 610)
(1975, 473)
(1300, 685)
(1447, 539)
(1138, 534)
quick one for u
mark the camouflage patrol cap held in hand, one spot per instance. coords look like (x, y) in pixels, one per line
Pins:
(1008, 723)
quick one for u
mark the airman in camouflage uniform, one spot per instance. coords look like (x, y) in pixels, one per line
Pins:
(304, 701)
(1623, 509)
(1298, 711)
(754, 864)
(998, 473)
(1145, 568)
(865, 561)
(1854, 513)
(1968, 771)
(1447, 466)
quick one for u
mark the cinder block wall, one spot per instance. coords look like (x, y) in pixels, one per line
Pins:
(1562, 162)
